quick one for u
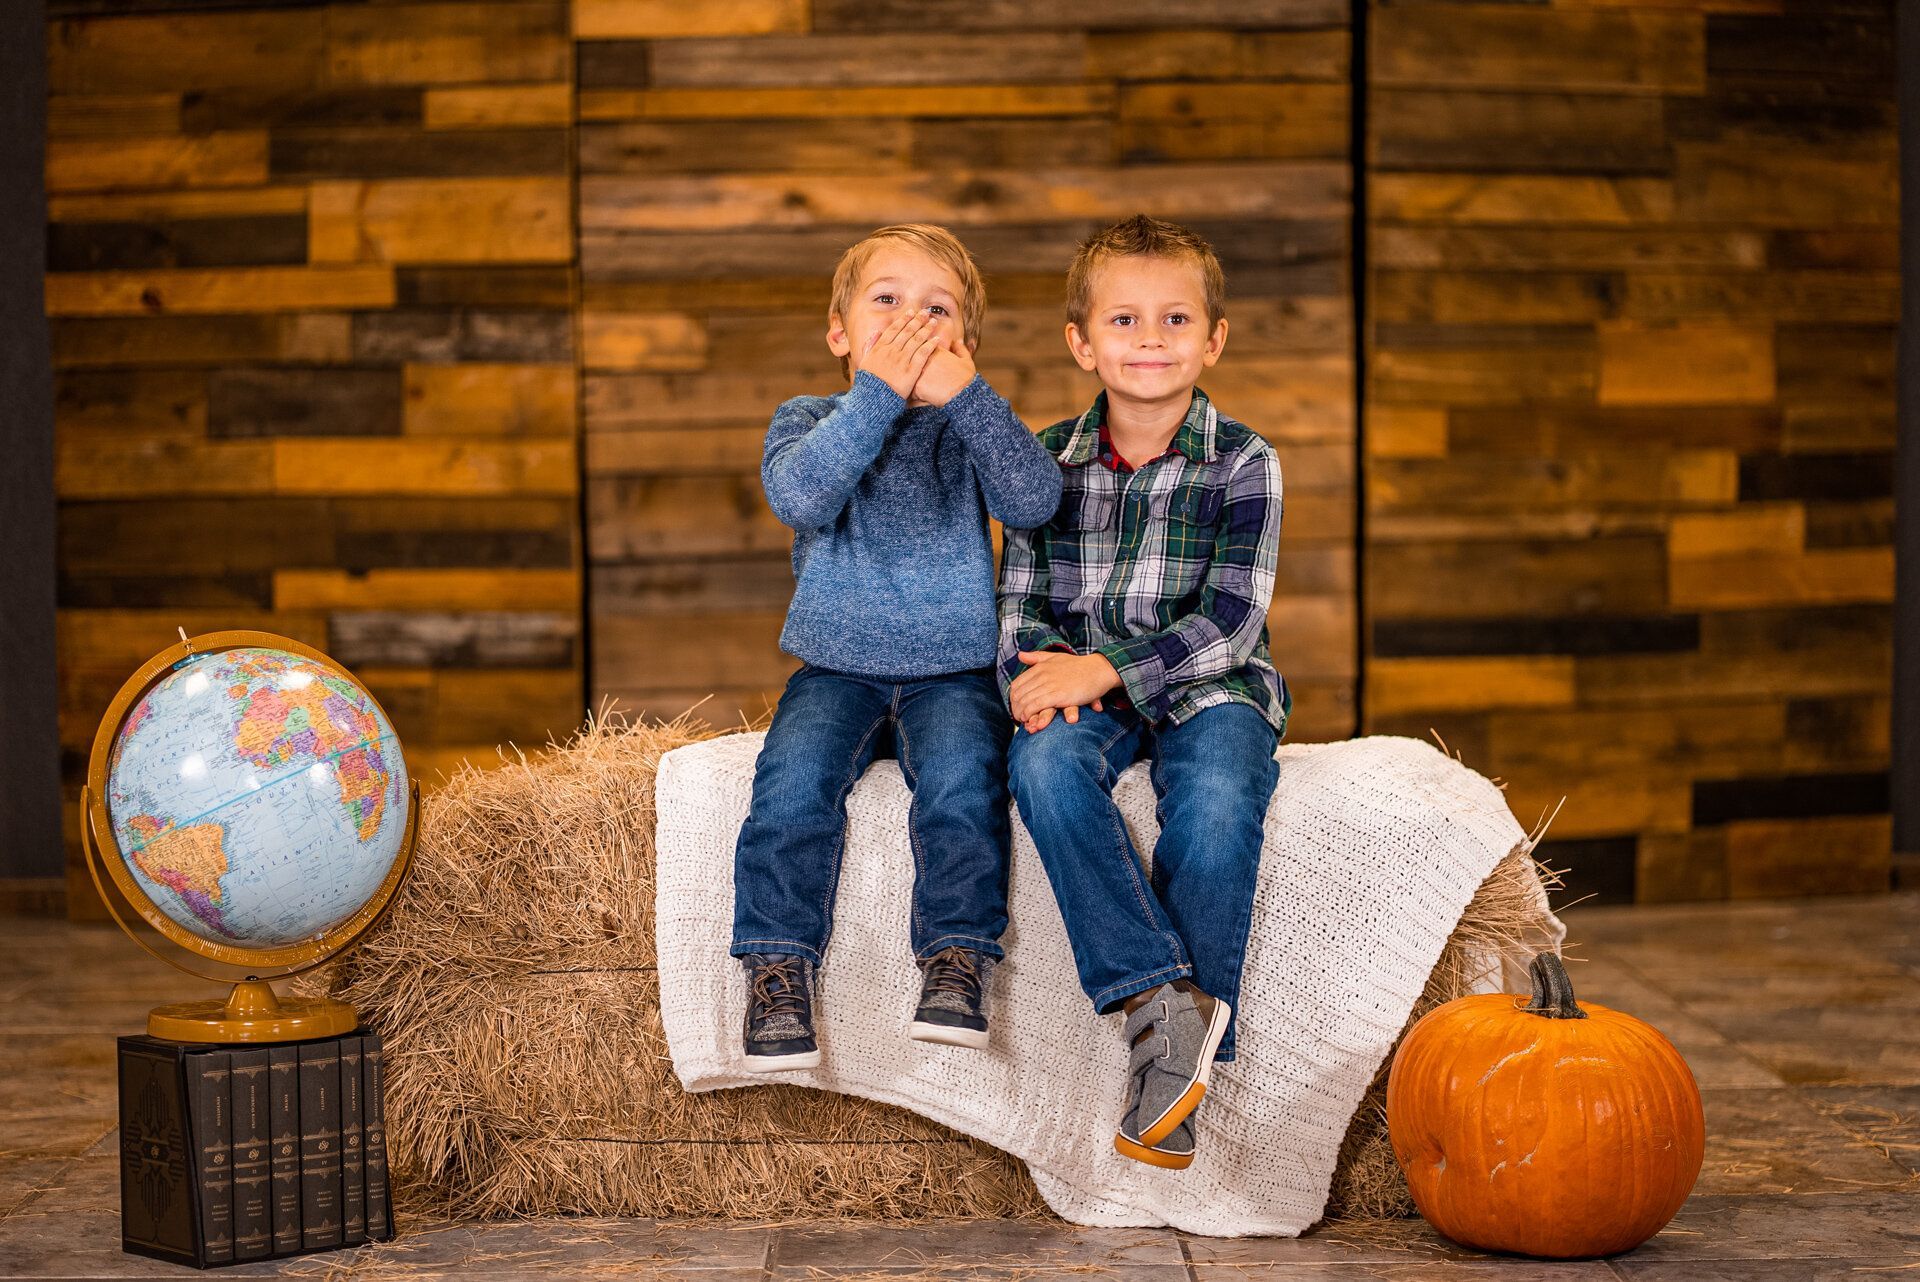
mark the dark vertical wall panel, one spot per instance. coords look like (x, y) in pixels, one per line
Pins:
(1906, 674)
(29, 730)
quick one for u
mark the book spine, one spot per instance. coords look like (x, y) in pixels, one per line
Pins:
(252, 1156)
(283, 1120)
(373, 1113)
(157, 1199)
(353, 1167)
(320, 1145)
(210, 1113)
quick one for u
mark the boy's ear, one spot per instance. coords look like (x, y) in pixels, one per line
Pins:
(1082, 350)
(1217, 344)
(837, 341)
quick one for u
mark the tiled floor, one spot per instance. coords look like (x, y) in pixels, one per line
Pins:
(1801, 1021)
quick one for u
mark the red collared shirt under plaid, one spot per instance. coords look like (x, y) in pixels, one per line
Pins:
(1166, 569)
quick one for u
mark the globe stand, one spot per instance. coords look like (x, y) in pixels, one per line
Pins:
(251, 1011)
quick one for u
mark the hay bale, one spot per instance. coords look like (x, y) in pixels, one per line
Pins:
(514, 982)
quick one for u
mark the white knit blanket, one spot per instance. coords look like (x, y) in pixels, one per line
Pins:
(1374, 847)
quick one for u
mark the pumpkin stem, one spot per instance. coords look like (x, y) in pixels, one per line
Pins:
(1552, 990)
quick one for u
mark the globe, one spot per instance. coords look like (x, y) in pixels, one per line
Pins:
(248, 797)
(257, 797)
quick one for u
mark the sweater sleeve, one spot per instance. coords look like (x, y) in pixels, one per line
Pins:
(1020, 479)
(812, 464)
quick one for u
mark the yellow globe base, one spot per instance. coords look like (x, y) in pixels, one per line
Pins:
(253, 1012)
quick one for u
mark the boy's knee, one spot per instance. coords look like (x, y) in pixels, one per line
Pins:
(1040, 767)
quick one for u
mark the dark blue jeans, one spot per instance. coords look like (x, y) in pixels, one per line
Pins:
(950, 734)
(1214, 775)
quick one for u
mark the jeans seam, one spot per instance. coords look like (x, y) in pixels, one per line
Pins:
(840, 840)
(1124, 843)
(913, 806)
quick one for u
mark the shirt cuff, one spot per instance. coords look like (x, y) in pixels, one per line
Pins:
(871, 393)
(1143, 674)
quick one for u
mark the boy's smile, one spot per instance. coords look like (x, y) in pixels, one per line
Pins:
(1147, 334)
(897, 279)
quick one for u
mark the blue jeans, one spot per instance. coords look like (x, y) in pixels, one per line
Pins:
(950, 734)
(1214, 775)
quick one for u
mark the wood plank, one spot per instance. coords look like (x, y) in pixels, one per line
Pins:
(1019, 16)
(268, 240)
(433, 589)
(680, 586)
(1399, 686)
(1219, 55)
(111, 164)
(677, 203)
(109, 114)
(641, 517)
(313, 337)
(674, 452)
(418, 153)
(489, 532)
(490, 400)
(162, 206)
(151, 537)
(1001, 144)
(1405, 431)
(1594, 805)
(1493, 46)
(486, 286)
(454, 639)
(119, 641)
(664, 19)
(477, 220)
(1232, 120)
(1671, 479)
(1520, 198)
(495, 106)
(282, 107)
(422, 467)
(440, 44)
(1682, 740)
(700, 651)
(658, 341)
(532, 337)
(1844, 855)
(255, 289)
(134, 466)
(1451, 128)
(147, 53)
(1838, 296)
(527, 707)
(833, 60)
(304, 402)
(825, 145)
(1785, 187)
(1449, 298)
(1685, 364)
(1754, 528)
(958, 101)
(1749, 580)
(1485, 376)
(1550, 430)
(1565, 248)
(1491, 577)
(131, 400)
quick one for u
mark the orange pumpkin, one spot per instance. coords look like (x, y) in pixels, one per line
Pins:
(1544, 1127)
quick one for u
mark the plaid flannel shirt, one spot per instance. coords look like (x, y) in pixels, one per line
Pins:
(1166, 570)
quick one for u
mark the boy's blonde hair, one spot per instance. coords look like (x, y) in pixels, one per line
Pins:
(936, 243)
(1144, 237)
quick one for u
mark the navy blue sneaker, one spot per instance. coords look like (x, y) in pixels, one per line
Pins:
(953, 999)
(779, 1025)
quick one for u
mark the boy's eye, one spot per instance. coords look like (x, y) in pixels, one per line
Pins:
(1123, 320)
(936, 307)
(1178, 318)
(883, 298)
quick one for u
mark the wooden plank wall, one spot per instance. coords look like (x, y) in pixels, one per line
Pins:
(311, 285)
(729, 153)
(1631, 422)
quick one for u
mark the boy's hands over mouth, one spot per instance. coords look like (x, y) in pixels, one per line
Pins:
(949, 369)
(898, 354)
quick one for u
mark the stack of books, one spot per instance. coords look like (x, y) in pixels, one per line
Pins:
(231, 1153)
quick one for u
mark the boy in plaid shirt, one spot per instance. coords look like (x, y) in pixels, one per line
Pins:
(1133, 625)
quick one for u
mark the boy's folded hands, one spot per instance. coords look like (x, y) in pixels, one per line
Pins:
(1056, 681)
(914, 357)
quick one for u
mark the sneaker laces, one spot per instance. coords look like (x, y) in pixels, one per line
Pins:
(778, 989)
(953, 970)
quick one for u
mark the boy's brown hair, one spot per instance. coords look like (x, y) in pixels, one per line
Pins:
(936, 243)
(1143, 237)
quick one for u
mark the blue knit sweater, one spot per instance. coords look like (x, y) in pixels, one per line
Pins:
(892, 561)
